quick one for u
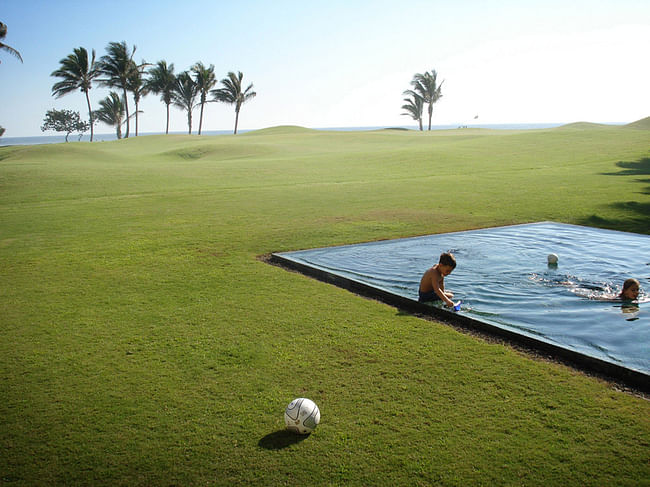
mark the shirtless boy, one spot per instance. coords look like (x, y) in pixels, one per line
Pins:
(432, 285)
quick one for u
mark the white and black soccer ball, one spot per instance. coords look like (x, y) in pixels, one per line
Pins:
(302, 416)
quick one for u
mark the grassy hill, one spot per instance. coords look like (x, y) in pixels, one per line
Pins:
(643, 124)
(583, 126)
(145, 343)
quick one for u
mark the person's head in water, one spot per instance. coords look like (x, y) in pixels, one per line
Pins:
(630, 289)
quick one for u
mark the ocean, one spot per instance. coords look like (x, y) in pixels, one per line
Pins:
(57, 139)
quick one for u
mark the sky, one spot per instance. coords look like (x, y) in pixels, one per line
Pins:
(346, 63)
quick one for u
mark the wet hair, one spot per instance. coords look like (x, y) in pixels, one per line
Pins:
(448, 259)
(629, 283)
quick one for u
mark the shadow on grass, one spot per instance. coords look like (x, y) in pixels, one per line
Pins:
(639, 168)
(280, 439)
(638, 220)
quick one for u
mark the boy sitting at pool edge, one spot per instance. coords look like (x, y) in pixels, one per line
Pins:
(432, 284)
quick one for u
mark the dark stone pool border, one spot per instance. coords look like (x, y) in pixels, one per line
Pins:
(632, 378)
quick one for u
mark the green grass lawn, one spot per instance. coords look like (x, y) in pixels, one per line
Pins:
(145, 343)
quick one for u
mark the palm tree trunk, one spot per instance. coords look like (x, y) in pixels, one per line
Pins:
(167, 127)
(236, 120)
(189, 122)
(201, 118)
(90, 116)
(430, 113)
(126, 108)
(136, 119)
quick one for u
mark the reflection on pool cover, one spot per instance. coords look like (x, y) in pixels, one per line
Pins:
(504, 280)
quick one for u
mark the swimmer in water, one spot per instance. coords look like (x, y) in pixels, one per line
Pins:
(630, 290)
(597, 291)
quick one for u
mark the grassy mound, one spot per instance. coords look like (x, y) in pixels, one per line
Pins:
(582, 126)
(280, 129)
(145, 343)
(643, 124)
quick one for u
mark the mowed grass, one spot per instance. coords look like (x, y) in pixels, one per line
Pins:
(145, 343)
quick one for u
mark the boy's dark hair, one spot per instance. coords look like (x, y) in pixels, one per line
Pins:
(448, 259)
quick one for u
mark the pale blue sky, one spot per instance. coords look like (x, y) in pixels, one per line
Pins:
(345, 63)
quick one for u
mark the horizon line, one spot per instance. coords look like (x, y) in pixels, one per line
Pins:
(342, 128)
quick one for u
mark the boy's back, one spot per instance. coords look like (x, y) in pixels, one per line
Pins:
(432, 284)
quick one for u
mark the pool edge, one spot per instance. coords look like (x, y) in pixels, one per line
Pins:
(632, 378)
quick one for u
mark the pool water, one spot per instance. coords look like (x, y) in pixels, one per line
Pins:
(503, 278)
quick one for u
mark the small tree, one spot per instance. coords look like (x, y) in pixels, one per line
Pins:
(2, 131)
(162, 81)
(115, 69)
(112, 112)
(185, 91)
(232, 93)
(77, 72)
(64, 121)
(426, 85)
(205, 80)
(137, 86)
(414, 106)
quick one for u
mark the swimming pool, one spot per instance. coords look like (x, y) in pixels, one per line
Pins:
(504, 280)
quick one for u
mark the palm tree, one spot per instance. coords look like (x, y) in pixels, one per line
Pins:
(185, 92)
(205, 80)
(426, 86)
(5, 47)
(76, 73)
(112, 112)
(137, 86)
(116, 68)
(161, 81)
(231, 93)
(414, 106)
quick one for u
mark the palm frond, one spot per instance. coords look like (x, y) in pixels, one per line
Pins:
(5, 47)
(11, 51)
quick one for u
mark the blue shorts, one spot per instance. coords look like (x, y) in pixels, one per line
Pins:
(428, 296)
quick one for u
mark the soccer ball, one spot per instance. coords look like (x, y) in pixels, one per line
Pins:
(302, 416)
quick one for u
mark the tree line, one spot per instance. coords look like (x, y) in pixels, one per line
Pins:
(425, 91)
(117, 70)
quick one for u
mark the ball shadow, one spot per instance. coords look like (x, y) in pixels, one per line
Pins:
(280, 439)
